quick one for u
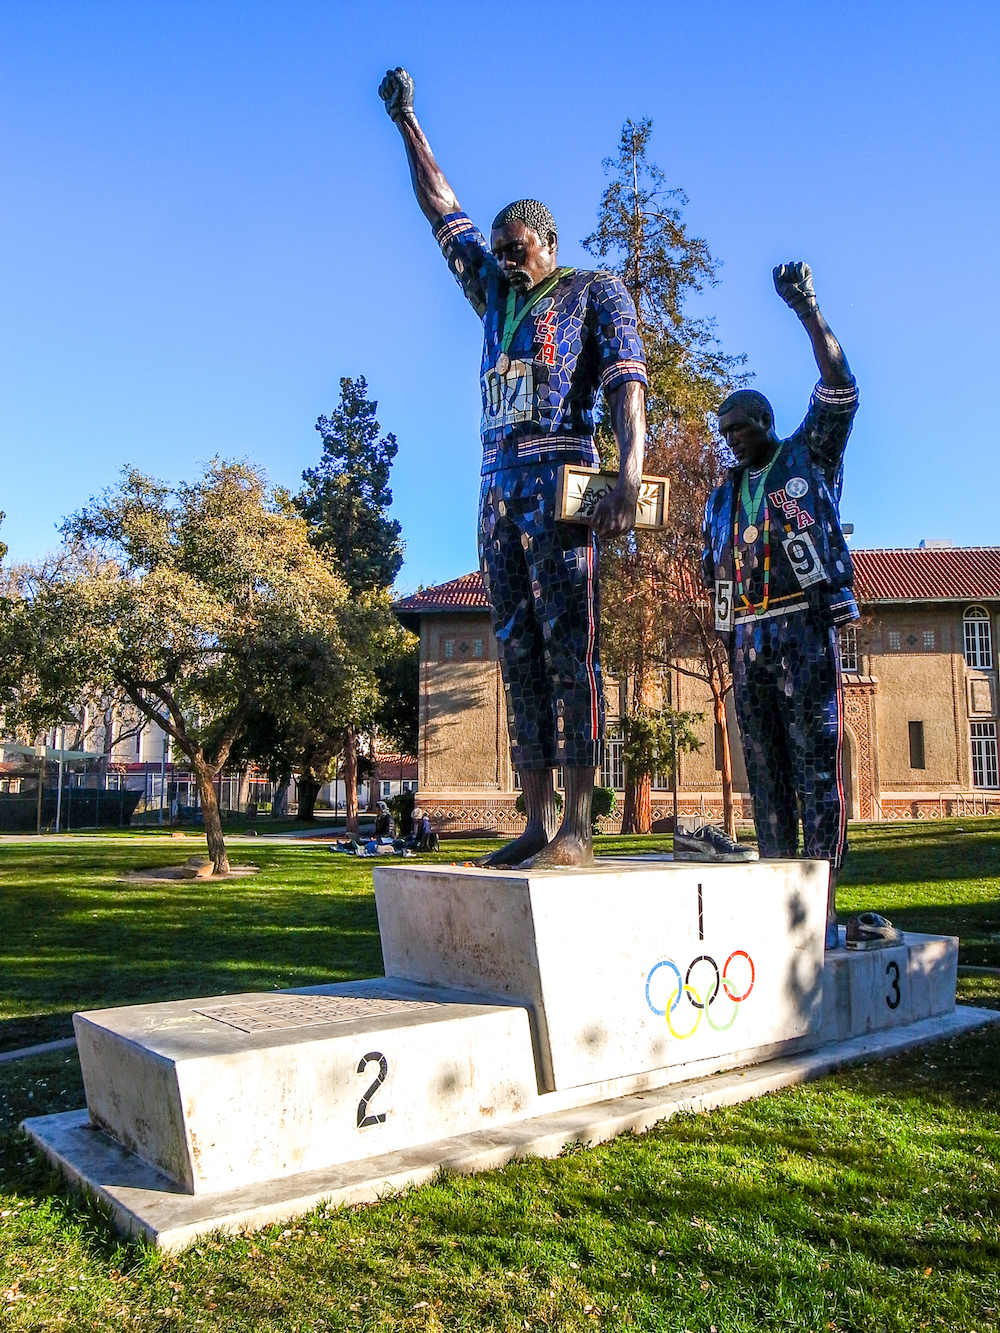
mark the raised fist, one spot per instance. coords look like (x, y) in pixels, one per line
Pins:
(396, 91)
(794, 284)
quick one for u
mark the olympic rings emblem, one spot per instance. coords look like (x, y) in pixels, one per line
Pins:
(720, 982)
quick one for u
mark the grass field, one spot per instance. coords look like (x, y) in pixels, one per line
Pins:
(865, 1201)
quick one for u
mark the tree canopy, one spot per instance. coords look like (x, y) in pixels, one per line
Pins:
(201, 603)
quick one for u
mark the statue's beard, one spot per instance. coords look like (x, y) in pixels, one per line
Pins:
(520, 278)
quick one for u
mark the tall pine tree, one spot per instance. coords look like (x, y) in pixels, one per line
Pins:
(642, 233)
(345, 502)
(346, 498)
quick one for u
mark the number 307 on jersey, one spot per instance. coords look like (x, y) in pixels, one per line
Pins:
(508, 398)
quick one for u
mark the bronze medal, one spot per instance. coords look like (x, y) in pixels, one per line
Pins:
(502, 364)
(750, 534)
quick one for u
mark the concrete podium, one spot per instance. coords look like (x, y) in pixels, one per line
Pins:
(519, 1011)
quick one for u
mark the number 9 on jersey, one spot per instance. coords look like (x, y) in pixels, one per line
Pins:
(723, 604)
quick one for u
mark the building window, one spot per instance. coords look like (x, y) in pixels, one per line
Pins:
(386, 790)
(477, 648)
(613, 768)
(408, 786)
(848, 639)
(978, 642)
(984, 754)
(916, 744)
(448, 648)
(928, 638)
(894, 641)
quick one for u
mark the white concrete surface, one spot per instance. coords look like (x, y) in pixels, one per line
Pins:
(871, 990)
(222, 1092)
(601, 957)
(142, 1202)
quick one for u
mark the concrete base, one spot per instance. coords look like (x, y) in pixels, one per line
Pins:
(595, 955)
(235, 1089)
(142, 1202)
(510, 998)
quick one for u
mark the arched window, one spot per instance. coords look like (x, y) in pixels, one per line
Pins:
(978, 641)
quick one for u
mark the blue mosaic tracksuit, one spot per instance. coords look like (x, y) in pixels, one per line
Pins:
(541, 577)
(785, 657)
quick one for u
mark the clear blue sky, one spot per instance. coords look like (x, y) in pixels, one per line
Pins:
(206, 220)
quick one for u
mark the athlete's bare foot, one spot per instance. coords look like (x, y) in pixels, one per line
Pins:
(540, 803)
(566, 850)
(527, 845)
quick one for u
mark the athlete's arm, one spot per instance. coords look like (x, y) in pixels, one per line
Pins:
(434, 195)
(615, 512)
(794, 284)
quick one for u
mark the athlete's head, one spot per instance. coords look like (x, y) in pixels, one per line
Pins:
(746, 423)
(525, 241)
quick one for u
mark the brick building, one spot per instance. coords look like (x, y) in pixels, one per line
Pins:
(920, 695)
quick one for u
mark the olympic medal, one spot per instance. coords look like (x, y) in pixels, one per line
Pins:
(750, 534)
(503, 364)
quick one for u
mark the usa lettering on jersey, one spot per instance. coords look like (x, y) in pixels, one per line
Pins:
(545, 333)
(790, 508)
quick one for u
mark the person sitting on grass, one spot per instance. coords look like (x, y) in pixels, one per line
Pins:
(385, 825)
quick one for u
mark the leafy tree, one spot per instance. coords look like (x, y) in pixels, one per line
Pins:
(345, 502)
(201, 603)
(640, 228)
(642, 233)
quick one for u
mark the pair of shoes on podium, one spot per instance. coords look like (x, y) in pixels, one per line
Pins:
(709, 843)
(872, 931)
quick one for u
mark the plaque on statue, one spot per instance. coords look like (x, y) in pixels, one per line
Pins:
(579, 489)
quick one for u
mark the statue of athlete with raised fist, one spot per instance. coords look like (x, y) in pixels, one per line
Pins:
(776, 559)
(552, 338)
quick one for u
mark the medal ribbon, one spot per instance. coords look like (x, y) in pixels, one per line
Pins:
(751, 504)
(512, 323)
(760, 607)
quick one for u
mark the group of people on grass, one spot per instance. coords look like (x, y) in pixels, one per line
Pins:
(384, 840)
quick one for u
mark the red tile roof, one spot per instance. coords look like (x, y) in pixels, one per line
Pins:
(908, 574)
(462, 594)
(396, 766)
(918, 574)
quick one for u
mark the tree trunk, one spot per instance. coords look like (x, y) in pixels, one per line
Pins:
(205, 778)
(637, 807)
(243, 796)
(279, 801)
(351, 781)
(308, 791)
(728, 813)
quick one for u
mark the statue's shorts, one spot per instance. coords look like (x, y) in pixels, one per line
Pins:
(786, 683)
(542, 582)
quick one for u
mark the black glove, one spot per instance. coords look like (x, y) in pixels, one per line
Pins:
(396, 91)
(794, 284)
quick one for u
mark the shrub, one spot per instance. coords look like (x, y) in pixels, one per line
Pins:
(604, 805)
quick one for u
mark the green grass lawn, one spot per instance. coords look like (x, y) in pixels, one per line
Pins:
(866, 1201)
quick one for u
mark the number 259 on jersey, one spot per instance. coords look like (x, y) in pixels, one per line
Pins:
(723, 604)
(806, 564)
